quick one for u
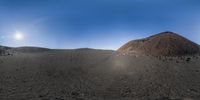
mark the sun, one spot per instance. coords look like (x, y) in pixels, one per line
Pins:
(18, 36)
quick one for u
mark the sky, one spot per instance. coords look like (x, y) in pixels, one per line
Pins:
(100, 24)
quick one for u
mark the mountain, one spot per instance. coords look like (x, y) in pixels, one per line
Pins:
(11, 50)
(162, 44)
(27, 49)
(3, 49)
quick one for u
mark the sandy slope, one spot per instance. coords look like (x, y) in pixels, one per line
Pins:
(96, 75)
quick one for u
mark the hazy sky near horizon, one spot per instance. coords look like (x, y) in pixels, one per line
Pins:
(102, 24)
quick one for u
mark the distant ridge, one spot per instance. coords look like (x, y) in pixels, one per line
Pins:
(162, 44)
(29, 49)
(26, 49)
(3, 49)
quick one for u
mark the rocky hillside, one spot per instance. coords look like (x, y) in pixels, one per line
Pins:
(162, 44)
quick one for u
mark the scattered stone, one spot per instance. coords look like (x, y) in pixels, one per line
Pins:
(188, 59)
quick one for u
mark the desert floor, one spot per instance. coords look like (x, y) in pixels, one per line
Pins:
(89, 74)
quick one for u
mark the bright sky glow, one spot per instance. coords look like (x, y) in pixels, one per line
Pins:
(18, 36)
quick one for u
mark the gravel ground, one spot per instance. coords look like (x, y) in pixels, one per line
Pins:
(87, 74)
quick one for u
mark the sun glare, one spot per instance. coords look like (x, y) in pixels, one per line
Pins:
(19, 36)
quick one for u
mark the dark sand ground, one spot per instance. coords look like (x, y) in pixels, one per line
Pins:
(87, 74)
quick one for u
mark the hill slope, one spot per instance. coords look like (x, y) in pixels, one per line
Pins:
(162, 44)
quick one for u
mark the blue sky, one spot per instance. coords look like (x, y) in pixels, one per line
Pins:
(102, 24)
